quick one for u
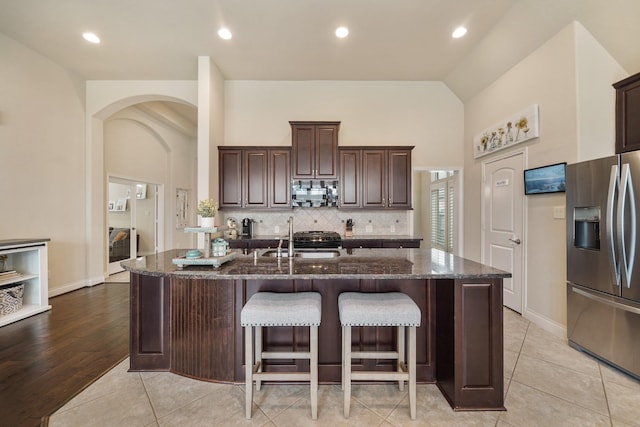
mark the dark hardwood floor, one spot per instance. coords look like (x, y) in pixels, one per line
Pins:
(47, 359)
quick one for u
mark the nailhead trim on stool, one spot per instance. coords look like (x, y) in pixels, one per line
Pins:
(266, 309)
(393, 309)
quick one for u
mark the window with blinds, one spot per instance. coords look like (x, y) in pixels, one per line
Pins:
(442, 210)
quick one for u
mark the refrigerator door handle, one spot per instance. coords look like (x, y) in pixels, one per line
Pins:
(627, 261)
(613, 262)
(606, 301)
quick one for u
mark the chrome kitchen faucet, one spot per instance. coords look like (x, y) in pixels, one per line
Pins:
(290, 237)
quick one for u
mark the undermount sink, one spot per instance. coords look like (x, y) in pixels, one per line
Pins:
(304, 253)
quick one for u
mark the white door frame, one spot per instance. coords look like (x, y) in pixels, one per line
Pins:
(483, 254)
(459, 205)
(159, 219)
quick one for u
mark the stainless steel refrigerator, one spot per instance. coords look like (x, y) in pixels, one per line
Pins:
(603, 261)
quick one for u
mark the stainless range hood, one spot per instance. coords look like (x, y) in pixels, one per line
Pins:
(314, 193)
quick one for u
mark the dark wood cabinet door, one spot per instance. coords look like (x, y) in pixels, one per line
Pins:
(315, 150)
(399, 179)
(256, 178)
(279, 178)
(230, 178)
(628, 114)
(374, 179)
(326, 151)
(350, 173)
(150, 319)
(303, 145)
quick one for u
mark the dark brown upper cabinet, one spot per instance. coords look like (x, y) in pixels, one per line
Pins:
(399, 178)
(628, 114)
(254, 177)
(279, 187)
(377, 178)
(350, 191)
(315, 150)
(230, 177)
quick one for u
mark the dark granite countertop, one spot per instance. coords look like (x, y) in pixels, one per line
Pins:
(358, 237)
(354, 263)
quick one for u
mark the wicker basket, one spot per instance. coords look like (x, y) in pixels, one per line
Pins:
(11, 298)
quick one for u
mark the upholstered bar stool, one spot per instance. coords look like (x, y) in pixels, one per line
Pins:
(266, 309)
(393, 309)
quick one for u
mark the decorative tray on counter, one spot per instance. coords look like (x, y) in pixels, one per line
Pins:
(215, 261)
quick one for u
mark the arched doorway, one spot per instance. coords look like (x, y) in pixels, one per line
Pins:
(102, 103)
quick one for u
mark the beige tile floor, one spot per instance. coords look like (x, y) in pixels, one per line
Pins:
(547, 383)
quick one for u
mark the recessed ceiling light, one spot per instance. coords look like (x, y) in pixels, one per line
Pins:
(224, 33)
(91, 38)
(459, 32)
(342, 32)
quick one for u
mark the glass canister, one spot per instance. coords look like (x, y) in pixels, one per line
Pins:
(219, 247)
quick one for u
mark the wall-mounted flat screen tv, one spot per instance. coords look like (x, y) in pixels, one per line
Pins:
(545, 179)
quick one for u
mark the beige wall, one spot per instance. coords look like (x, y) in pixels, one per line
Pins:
(425, 114)
(596, 71)
(42, 169)
(552, 77)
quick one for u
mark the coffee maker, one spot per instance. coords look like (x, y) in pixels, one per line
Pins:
(247, 227)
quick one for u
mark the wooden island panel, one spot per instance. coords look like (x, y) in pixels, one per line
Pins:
(149, 340)
(203, 328)
(470, 343)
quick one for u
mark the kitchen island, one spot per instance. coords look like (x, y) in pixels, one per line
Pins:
(187, 321)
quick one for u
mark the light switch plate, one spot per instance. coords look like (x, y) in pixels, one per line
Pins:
(368, 228)
(558, 212)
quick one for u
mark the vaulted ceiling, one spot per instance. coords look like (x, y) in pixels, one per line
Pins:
(294, 39)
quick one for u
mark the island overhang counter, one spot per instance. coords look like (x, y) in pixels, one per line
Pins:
(187, 320)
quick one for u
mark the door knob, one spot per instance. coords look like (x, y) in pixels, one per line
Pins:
(516, 241)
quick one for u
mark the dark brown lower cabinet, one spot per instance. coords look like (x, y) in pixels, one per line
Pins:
(469, 336)
(192, 327)
(149, 339)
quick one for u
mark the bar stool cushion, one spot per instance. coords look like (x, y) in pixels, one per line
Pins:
(378, 309)
(282, 309)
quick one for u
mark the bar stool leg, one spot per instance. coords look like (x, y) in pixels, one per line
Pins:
(342, 365)
(248, 373)
(401, 356)
(313, 366)
(258, 358)
(346, 351)
(412, 371)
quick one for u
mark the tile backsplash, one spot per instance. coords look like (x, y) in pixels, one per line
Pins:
(324, 219)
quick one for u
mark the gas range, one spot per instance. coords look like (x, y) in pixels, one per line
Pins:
(316, 239)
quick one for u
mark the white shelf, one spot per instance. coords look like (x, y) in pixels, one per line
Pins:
(18, 279)
(30, 261)
(26, 311)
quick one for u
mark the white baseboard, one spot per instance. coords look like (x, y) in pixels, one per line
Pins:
(545, 323)
(75, 286)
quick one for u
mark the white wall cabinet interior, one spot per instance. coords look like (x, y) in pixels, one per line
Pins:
(29, 261)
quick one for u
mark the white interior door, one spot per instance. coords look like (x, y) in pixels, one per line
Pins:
(503, 226)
